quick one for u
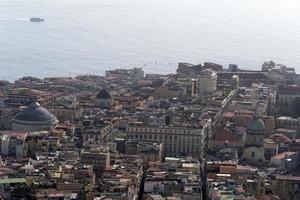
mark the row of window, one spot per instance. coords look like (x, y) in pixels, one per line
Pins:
(159, 130)
(183, 150)
(182, 146)
(96, 137)
(165, 137)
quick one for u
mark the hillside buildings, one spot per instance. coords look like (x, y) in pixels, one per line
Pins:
(206, 132)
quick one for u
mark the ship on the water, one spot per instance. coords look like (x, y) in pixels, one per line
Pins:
(36, 19)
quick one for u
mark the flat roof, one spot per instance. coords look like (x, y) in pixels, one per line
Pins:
(12, 180)
(288, 178)
(286, 118)
(286, 130)
(285, 154)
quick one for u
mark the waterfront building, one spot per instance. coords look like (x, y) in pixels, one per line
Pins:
(189, 70)
(212, 66)
(246, 78)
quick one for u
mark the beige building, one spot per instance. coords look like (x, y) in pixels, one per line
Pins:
(207, 81)
(98, 157)
(177, 141)
(244, 117)
(164, 92)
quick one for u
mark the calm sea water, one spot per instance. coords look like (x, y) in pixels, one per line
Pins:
(91, 36)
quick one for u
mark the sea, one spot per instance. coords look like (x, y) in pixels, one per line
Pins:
(92, 36)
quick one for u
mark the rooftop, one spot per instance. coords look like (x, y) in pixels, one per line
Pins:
(285, 155)
(12, 180)
(35, 113)
(287, 178)
(103, 94)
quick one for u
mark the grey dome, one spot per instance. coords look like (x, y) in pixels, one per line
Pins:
(35, 113)
(103, 94)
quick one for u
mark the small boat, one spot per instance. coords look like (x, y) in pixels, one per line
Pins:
(36, 19)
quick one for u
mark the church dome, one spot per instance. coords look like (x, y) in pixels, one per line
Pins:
(33, 118)
(256, 125)
(35, 113)
(103, 94)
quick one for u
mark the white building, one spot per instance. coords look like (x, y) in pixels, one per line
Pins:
(5, 145)
(286, 160)
(207, 81)
(12, 144)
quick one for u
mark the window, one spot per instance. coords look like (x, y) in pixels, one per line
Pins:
(253, 154)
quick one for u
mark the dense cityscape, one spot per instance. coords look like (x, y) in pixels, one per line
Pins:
(207, 132)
